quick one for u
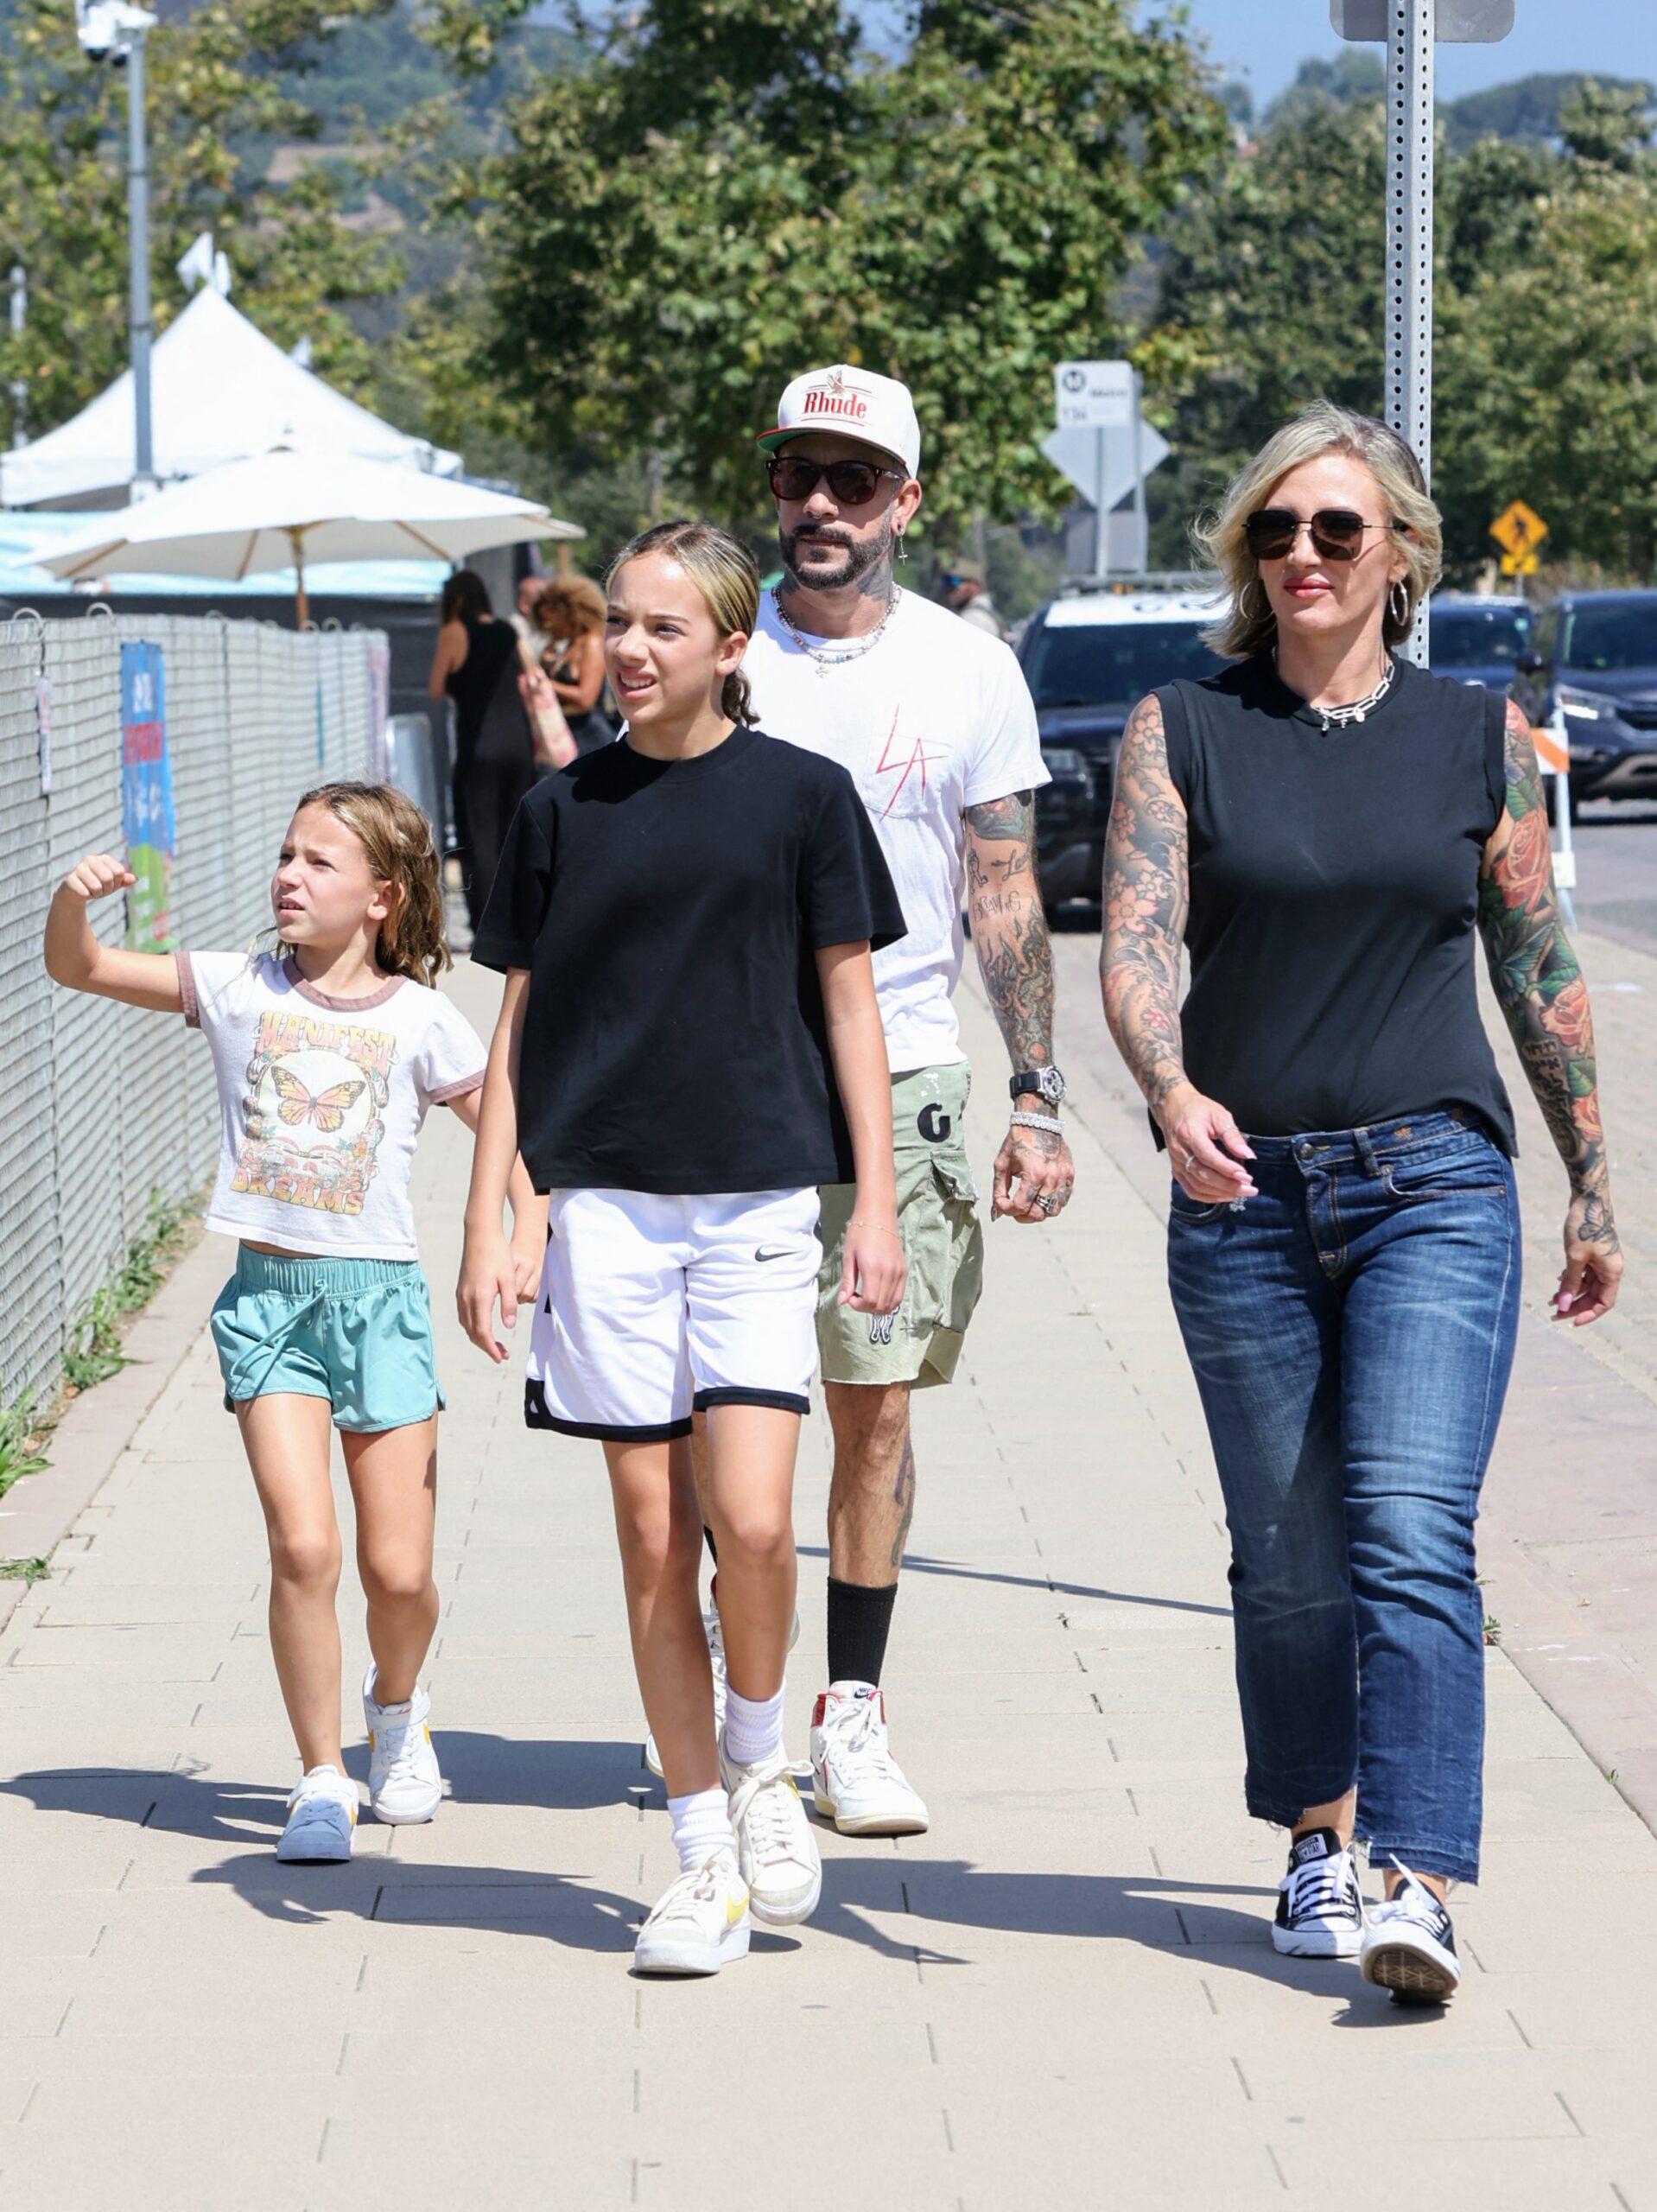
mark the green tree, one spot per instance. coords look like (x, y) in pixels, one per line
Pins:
(733, 189)
(213, 87)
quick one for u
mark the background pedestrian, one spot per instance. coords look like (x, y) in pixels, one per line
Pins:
(476, 663)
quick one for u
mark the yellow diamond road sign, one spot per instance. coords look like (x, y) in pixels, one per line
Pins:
(1518, 529)
(1521, 564)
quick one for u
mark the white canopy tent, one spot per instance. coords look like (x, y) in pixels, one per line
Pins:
(221, 392)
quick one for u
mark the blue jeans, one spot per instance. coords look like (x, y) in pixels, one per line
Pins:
(1351, 1329)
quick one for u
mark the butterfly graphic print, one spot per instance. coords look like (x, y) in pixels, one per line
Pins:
(316, 1094)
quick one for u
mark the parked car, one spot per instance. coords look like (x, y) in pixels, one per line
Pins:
(1088, 656)
(1478, 640)
(1594, 654)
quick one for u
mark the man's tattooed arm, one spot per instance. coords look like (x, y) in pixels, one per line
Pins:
(1145, 899)
(1540, 985)
(1009, 925)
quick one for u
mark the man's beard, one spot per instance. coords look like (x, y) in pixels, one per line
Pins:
(859, 561)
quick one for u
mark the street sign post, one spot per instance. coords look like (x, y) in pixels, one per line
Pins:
(1104, 446)
(1408, 28)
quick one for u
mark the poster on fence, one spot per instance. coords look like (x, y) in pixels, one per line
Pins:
(147, 799)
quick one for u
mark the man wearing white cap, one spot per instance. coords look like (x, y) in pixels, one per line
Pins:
(933, 721)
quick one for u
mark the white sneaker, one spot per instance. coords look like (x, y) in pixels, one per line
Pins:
(1319, 1903)
(856, 1782)
(700, 1923)
(776, 1848)
(405, 1783)
(321, 1817)
(716, 1655)
(1409, 1946)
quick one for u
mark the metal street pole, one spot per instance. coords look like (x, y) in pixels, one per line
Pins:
(1141, 528)
(1410, 29)
(144, 452)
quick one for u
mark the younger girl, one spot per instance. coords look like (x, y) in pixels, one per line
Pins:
(688, 1044)
(327, 1051)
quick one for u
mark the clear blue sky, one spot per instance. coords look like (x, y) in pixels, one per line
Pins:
(1266, 41)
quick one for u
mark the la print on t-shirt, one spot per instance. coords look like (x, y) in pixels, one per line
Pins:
(933, 719)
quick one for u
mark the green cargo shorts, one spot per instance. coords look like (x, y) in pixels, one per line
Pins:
(943, 1242)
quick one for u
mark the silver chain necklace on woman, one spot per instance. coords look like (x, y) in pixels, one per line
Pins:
(1338, 717)
(825, 657)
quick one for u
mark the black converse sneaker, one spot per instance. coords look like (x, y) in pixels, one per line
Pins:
(1319, 1907)
(1409, 1946)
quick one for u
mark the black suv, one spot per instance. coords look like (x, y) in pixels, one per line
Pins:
(1594, 654)
(1088, 656)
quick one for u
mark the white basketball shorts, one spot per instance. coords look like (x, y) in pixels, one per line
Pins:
(650, 1307)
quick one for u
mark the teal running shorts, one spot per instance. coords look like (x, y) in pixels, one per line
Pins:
(357, 1333)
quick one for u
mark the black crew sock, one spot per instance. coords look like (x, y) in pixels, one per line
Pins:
(860, 1619)
(708, 1538)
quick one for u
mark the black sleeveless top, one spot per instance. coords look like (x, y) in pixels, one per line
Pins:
(491, 723)
(1334, 890)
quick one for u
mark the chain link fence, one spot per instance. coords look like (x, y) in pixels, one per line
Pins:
(103, 1106)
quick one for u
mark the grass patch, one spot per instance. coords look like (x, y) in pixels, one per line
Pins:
(23, 1570)
(95, 1352)
(20, 1440)
(1492, 1629)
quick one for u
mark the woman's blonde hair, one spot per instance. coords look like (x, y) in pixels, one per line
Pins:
(728, 577)
(1249, 625)
(402, 851)
(567, 607)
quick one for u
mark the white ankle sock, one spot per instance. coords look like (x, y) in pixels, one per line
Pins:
(753, 1727)
(701, 1825)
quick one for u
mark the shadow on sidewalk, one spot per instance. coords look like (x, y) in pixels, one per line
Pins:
(891, 1904)
(917, 1563)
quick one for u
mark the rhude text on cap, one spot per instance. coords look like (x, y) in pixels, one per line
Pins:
(875, 409)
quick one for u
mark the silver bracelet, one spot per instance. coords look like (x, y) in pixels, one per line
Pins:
(1037, 1122)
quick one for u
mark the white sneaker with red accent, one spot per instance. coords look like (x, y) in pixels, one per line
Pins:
(856, 1782)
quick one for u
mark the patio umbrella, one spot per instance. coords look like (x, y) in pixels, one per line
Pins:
(287, 508)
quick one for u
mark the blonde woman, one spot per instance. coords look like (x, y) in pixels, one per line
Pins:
(569, 620)
(1324, 827)
(688, 1044)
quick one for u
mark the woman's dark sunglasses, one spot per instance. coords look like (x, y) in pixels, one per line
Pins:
(850, 483)
(1336, 533)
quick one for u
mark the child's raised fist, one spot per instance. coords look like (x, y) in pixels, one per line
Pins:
(97, 876)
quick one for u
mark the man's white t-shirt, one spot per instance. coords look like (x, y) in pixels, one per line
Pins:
(321, 1101)
(935, 718)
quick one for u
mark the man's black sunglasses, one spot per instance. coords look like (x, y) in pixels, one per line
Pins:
(850, 483)
(1336, 533)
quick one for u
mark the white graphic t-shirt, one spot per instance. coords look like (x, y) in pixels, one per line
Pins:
(321, 1101)
(935, 718)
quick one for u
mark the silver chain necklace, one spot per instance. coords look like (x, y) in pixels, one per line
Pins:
(824, 657)
(1338, 717)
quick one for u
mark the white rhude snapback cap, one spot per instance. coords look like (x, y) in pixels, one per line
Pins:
(876, 410)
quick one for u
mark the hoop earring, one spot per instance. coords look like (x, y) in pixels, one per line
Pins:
(1401, 617)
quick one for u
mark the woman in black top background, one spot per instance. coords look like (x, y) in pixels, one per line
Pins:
(1324, 827)
(477, 664)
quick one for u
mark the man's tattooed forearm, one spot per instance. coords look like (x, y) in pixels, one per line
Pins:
(1009, 925)
(1145, 898)
(1539, 984)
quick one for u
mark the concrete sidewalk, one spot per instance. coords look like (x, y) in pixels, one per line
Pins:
(1063, 1996)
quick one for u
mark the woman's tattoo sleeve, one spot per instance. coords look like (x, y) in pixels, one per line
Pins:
(1146, 895)
(1537, 982)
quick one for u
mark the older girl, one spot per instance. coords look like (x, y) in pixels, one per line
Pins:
(1324, 826)
(688, 1044)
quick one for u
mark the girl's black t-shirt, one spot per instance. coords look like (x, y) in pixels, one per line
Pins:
(669, 912)
(1334, 896)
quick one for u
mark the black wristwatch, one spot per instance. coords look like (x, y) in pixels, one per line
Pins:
(1046, 1083)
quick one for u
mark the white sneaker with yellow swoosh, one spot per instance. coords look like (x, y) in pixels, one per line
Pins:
(700, 1923)
(776, 1848)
